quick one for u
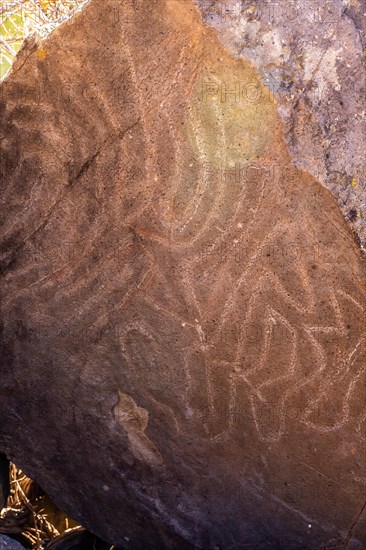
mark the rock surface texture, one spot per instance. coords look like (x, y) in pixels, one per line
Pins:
(183, 310)
(6, 543)
(311, 54)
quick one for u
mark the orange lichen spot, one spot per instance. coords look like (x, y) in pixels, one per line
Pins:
(42, 53)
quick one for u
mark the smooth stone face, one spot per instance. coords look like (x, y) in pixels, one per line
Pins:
(183, 310)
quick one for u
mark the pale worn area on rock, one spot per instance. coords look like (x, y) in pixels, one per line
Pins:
(134, 420)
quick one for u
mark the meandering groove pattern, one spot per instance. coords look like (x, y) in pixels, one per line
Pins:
(171, 228)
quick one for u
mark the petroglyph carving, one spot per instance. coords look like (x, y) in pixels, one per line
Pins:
(214, 282)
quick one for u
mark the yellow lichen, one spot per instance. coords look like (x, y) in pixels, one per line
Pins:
(231, 113)
(21, 18)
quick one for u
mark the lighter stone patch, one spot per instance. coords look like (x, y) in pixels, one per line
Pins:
(270, 49)
(322, 67)
(134, 420)
(268, 46)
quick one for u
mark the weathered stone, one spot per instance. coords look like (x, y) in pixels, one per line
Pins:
(6, 543)
(312, 57)
(183, 310)
(311, 54)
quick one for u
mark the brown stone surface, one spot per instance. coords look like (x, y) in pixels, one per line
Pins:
(183, 311)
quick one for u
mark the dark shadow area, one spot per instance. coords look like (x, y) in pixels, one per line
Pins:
(29, 517)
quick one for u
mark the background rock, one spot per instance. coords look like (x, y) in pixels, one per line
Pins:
(6, 543)
(183, 310)
(311, 54)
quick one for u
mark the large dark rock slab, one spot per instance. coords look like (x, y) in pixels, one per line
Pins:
(183, 310)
